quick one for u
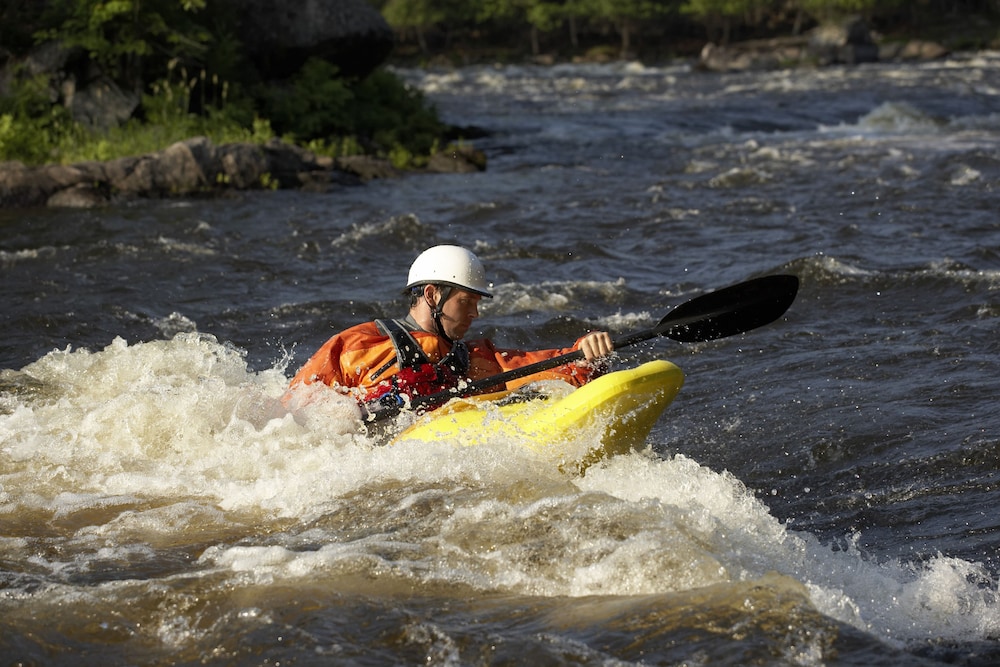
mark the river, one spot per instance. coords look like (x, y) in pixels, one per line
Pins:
(823, 491)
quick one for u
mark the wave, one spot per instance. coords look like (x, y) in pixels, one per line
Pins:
(826, 270)
(153, 447)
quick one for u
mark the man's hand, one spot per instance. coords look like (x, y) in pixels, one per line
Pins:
(595, 345)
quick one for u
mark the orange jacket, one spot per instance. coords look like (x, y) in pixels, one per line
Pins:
(362, 356)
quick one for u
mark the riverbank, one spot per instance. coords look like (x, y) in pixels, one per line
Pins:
(197, 167)
(851, 41)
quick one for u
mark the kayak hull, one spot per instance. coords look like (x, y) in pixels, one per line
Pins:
(610, 415)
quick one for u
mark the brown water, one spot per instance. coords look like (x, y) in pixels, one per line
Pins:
(823, 490)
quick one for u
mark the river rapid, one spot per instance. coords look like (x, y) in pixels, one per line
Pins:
(823, 491)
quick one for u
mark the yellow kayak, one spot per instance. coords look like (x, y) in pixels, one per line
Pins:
(610, 415)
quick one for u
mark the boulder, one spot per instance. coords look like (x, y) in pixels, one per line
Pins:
(366, 167)
(93, 99)
(100, 104)
(913, 50)
(460, 160)
(849, 42)
(81, 195)
(766, 54)
(281, 36)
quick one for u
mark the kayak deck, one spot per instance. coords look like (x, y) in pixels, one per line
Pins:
(610, 415)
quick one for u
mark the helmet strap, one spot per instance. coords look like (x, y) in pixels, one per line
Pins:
(438, 310)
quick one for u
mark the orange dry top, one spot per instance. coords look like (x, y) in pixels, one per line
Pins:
(362, 356)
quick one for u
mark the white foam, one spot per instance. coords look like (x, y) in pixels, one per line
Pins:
(946, 597)
(133, 446)
(550, 296)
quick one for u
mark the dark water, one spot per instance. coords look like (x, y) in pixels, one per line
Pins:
(824, 490)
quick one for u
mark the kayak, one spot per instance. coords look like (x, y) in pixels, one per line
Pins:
(610, 415)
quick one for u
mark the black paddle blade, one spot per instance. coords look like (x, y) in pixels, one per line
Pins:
(731, 310)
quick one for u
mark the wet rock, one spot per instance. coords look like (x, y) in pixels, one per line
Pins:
(366, 167)
(81, 195)
(850, 42)
(199, 167)
(753, 55)
(460, 160)
(915, 50)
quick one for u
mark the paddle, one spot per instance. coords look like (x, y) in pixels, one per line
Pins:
(726, 312)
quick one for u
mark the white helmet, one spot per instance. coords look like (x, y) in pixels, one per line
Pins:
(449, 265)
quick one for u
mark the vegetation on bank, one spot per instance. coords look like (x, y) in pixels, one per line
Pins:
(660, 29)
(186, 63)
(193, 79)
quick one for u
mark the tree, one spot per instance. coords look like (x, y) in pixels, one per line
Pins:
(544, 16)
(823, 10)
(119, 34)
(416, 15)
(626, 15)
(719, 16)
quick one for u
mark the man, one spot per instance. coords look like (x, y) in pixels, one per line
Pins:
(425, 352)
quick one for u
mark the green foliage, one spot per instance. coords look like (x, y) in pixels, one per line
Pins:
(329, 115)
(336, 147)
(413, 13)
(471, 23)
(32, 127)
(119, 34)
(710, 9)
(314, 106)
(390, 113)
(379, 112)
(828, 9)
(34, 130)
(191, 72)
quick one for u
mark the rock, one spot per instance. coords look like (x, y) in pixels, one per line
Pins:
(81, 195)
(915, 50)
(846, 43)
(101, 104)
(366, 167)
(756, 55)
(197, 166)
(461, 160)
(281, 36)
(759, 54)
(47, 58)
(242, 166)
(33, 186)
(286, 162)
(849, 42)
(93, 99)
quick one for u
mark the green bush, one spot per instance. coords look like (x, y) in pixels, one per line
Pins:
(393, 114)
(379, 113)
(190, 67)
(319, 110)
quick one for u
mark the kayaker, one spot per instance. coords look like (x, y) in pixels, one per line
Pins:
(425, 351)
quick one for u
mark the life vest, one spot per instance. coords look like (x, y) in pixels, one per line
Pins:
(417, 374)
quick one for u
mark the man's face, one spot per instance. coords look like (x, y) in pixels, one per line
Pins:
(459, 310)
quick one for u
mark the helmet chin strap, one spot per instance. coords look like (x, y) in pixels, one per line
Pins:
(437, 311)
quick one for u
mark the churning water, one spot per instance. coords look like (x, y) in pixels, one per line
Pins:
(824, 490)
